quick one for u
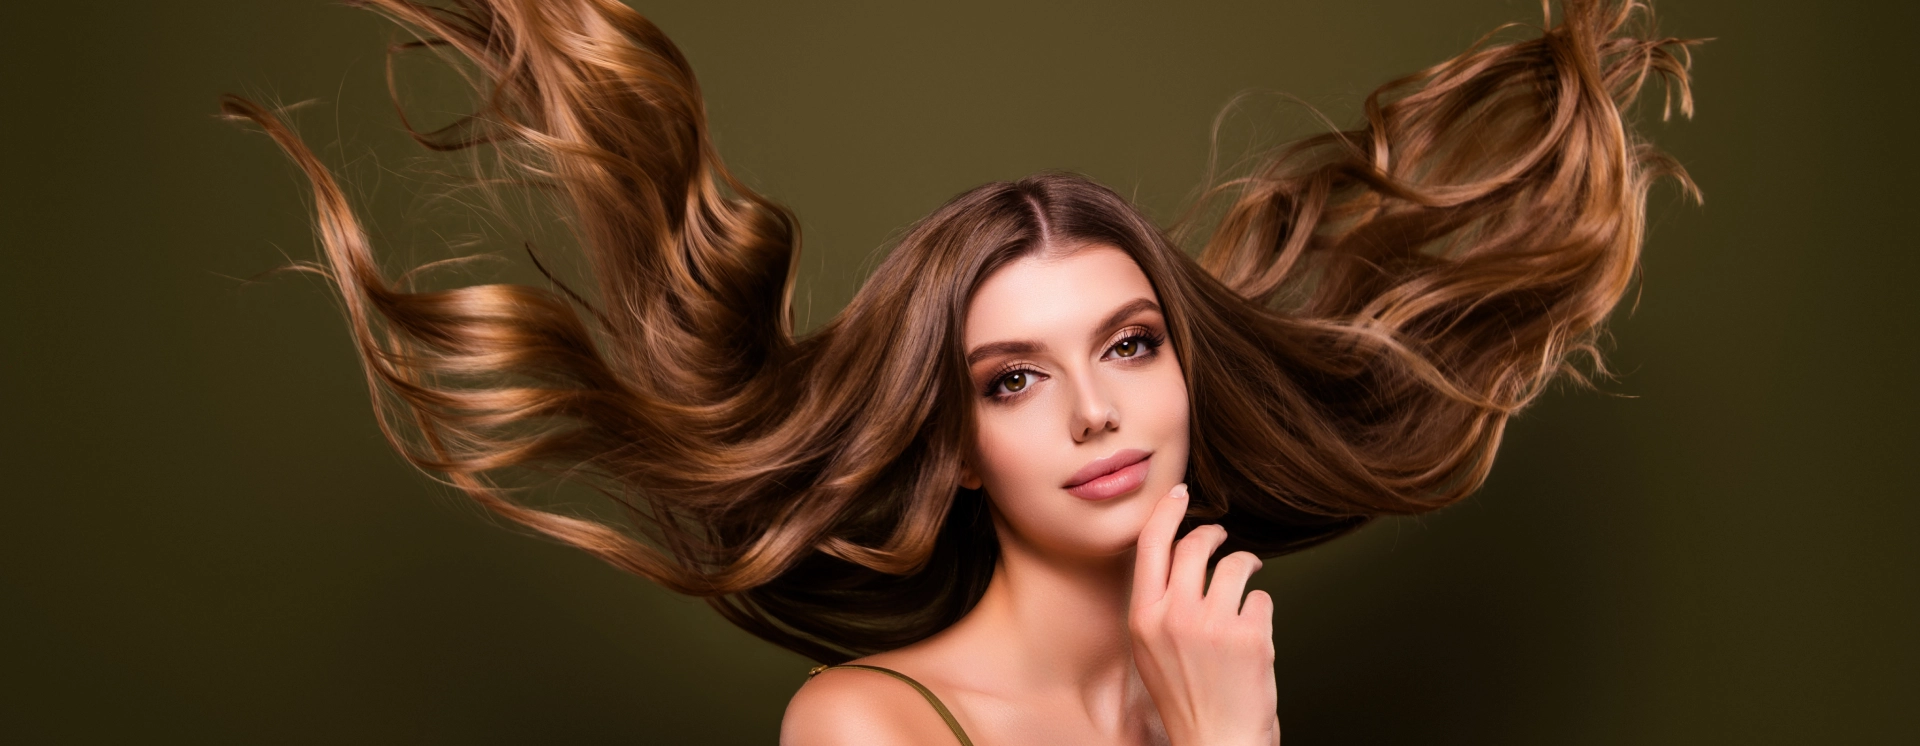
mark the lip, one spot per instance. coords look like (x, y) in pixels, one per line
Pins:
(1111, 476)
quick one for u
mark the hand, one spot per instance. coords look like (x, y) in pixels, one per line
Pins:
(1206, 660)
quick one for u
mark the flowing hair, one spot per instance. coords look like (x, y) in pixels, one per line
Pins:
(1367, 312)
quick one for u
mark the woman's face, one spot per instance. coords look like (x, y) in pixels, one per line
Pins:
(1080, 402)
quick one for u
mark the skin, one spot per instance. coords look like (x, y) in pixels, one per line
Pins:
(1097, 627)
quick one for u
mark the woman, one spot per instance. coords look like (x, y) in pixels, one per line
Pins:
(970, 481)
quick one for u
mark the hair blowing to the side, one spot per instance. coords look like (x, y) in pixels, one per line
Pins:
(1370, 308)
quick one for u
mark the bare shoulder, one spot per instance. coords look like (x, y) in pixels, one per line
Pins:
(854, 706)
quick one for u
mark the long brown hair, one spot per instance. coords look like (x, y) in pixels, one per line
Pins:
(1367, 312)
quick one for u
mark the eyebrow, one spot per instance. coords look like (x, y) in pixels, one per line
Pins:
(1028, 347)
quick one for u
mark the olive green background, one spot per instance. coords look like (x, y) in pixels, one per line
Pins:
(206, 540)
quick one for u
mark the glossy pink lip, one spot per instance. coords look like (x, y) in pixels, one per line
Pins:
(1112, 476)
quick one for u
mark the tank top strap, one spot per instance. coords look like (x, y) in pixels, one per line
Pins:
(952, 724)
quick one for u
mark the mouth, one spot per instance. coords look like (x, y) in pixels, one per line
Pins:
(1109, 477)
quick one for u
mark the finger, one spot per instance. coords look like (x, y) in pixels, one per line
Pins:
(1259, 608)
(1189, 571)
(1156, 542)
(1229, 581)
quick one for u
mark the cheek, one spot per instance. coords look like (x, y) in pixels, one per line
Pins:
(1021, 454)
(1165, 408)
(1165, 416)
(1013, 452)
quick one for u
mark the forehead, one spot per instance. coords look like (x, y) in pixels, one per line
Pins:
(1039, 296)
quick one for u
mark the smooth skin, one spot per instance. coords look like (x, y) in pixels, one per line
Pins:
(1098, 627)
(1206, 657)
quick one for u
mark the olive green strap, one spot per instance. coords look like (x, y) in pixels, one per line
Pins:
(935, 701)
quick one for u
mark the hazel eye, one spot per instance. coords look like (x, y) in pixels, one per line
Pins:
(1138, 342)
(1014, 382)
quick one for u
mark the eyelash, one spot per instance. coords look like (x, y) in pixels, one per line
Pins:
(1147, 337)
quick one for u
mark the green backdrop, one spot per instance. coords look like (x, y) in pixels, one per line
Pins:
(206, 541)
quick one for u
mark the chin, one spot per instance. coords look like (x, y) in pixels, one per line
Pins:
(1114, 527)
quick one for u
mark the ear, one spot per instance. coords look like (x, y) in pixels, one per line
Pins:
(968, 479)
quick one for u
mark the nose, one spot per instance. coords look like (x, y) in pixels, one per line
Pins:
(1093, 410)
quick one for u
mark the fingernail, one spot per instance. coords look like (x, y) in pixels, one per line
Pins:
(1182, 487)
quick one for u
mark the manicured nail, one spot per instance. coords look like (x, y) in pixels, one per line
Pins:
(1181, 491)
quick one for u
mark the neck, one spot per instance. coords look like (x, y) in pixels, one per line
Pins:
(1050, 633)
(1056, 624)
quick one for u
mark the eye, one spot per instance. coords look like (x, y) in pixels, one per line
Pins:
(1139, 342)
(1014, 382)
(1011, 381)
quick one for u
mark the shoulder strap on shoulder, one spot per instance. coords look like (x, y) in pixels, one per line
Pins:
(952, 724)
